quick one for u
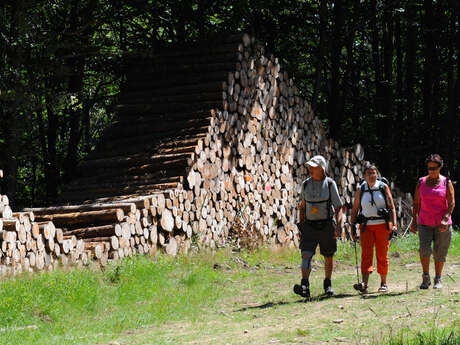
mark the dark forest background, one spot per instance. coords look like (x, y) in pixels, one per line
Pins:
(384, 73)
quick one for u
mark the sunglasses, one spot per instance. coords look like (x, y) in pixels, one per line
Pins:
(433, 168)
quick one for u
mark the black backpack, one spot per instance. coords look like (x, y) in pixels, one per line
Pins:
(381, 189)
(383, 213)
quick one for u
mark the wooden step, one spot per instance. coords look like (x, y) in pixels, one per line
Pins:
(152, 126)
(136, 169)
(161, 145)
(134, 110)
(154, 91)
(105, 194)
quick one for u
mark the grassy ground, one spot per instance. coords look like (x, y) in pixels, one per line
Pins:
(231, 298)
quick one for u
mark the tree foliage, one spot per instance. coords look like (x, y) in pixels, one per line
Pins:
(384, 73)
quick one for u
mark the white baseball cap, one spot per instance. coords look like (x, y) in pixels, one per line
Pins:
(318, 161)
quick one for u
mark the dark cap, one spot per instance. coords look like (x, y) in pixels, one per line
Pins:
(435, 158)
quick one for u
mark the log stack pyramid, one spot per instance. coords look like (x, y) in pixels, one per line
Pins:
(204, 137)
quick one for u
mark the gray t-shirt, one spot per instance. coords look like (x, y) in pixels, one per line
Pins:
(316, 194)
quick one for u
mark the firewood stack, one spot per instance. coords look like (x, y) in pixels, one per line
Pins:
(204, 137)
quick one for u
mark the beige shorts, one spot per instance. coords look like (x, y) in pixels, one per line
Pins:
(441, 241)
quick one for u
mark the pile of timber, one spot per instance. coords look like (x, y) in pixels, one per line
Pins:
(27, 243)
(204, 138)
(114, 230)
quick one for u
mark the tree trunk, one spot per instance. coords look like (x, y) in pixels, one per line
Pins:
(335, 96)
(377, 64)
(398, 129)
(428, 67)
(388, 125)
(10, 123)
(410, 159)
(353, 69)
(320, 67)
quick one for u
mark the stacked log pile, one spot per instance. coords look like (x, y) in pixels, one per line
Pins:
(27, 243)
(204, 138)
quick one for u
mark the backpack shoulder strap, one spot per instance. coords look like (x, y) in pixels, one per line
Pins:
(304, 183)
(384, 193)
(446, 181)
(329, 183)
(362, 188)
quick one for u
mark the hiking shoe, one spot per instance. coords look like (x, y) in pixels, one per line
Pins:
(303, 289)
(361, 287)
(328, 290)
(383, 288)
(437, 283)
(426, 282)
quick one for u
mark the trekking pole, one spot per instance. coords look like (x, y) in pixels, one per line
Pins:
(356, 261)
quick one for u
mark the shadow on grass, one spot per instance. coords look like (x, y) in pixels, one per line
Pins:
(373, 295)
(303, 300)
(266, 305)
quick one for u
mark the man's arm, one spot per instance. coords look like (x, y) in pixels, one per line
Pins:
(302, 206)
(338, 204)
(338, 216)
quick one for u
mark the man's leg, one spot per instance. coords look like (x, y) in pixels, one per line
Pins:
(306, 263)
(303, 289)
(308, 244)
(328, 266)
(328, 247)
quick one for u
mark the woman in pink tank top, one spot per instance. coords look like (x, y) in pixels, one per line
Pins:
(434, 202)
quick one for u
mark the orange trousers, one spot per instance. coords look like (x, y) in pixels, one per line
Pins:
(375, 235)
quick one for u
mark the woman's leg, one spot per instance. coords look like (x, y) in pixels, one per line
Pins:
(426, 237)
(381, 250)
(367, 252)
(440, 248)
(438, 266)
(425, 261)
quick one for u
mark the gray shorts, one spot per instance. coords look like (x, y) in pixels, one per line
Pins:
(321, 233)
(441, 241)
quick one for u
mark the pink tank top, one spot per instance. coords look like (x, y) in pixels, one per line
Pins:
(433, 203)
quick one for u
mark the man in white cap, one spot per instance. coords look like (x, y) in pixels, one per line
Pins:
(319, 201)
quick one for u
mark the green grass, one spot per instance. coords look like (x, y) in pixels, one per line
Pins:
(194, 298)
(433, 337)
(81, 306)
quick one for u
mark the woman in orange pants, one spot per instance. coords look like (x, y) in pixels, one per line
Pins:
(374, 203)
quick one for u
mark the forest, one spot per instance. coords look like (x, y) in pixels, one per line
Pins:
(383, 73)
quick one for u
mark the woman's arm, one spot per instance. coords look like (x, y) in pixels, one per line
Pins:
(450, 206)
(450, 199)
(356, 206)
(392, 209)
(415, 208)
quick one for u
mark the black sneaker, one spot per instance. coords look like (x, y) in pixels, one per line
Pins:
(328, 290)
(426, 282)
(303, 289)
